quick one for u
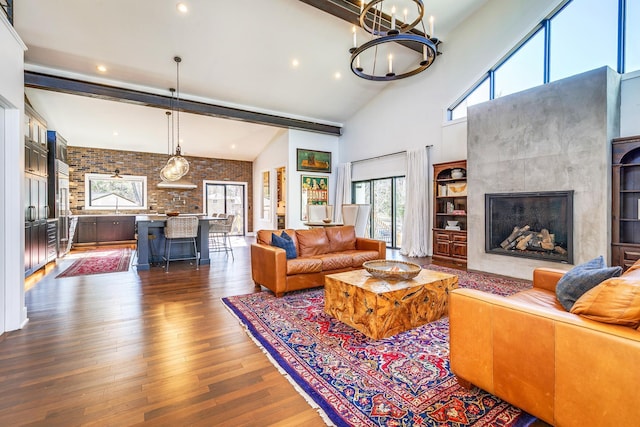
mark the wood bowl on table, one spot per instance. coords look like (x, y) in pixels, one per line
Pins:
(173, 213)
(391, 269)
(326, 220)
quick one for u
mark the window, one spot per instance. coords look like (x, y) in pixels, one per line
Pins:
(581, 35)
(478, 95)
(523, 70)
(632, 39)
(584, 36)
(108, 192)
(387, 199)
(228, 198)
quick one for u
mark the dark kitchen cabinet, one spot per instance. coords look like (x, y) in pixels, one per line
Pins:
(116, 228)
(105, 229)
(52, 239)
(36, 209)
(86, 231)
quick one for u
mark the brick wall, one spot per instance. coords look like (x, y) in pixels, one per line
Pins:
(159, 200)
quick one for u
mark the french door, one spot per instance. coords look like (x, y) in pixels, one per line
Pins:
(387, 199)
(227, 198)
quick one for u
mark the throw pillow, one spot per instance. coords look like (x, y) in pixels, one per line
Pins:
(285, 243)
(616, 301)
(575, 282)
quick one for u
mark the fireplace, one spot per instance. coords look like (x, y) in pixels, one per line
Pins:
(530, 225)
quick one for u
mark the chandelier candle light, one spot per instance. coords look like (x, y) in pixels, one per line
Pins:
(412, 50)
(177, 166)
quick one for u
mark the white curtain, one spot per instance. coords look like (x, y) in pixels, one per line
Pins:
(343, 189)
(416, 230)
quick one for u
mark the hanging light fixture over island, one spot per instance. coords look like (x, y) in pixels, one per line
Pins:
(177, 166)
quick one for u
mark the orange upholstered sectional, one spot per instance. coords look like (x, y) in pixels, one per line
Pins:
(564, 368)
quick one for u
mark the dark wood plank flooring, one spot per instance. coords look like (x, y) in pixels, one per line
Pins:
(144, 347)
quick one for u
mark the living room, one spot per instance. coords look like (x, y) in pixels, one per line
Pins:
(408, 115)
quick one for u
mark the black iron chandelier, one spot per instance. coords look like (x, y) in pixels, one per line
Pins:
(393, 44)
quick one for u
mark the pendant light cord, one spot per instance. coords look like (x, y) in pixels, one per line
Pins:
(178, 60)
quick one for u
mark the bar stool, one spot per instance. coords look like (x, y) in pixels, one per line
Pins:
(219, 240)
(181, 230)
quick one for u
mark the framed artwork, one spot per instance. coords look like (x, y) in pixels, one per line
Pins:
(313, 161)
(314, 191)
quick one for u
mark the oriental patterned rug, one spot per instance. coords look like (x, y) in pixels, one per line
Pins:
(99, 262)
(353, 380)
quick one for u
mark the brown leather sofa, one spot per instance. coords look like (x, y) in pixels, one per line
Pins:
(321, 251)
(563, 368)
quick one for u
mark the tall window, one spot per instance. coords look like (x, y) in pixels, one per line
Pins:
(581, 35)
(104, 191)
(523, 70)
(478, 95)
(387, 199)
(632, 39)
(584, 36)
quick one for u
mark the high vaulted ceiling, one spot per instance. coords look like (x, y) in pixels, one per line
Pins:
(236, 53)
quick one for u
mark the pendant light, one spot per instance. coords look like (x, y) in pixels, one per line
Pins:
(177, 166)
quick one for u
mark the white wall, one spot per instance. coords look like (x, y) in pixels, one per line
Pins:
(281, 152)
(275, 155)
(310, 141)
(13, 313)
(630, 105)
(410, 113)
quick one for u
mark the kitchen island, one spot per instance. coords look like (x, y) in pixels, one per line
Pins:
(151, 239)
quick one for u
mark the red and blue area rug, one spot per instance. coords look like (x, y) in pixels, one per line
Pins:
(353, 380)
(99, 262)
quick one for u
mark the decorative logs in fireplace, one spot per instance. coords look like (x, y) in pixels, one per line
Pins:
(524, 239)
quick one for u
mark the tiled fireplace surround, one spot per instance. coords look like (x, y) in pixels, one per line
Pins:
(549, 138)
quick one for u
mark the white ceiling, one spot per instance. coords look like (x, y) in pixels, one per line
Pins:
(234, 53)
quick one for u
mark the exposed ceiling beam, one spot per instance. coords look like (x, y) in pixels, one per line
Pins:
(343, 9)
(112, 93)
(349, 10)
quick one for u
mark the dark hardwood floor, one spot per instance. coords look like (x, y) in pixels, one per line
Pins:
(146, 347)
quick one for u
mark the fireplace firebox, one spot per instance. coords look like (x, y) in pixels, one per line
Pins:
(530, 225)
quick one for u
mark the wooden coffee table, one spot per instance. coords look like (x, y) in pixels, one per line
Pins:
(379, 308)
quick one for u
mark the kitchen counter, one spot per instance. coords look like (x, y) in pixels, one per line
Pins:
(151, 239)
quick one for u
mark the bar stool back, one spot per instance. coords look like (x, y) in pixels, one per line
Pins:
(180, 229)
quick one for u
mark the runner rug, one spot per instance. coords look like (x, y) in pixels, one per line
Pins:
(99, 262)
(353, 380)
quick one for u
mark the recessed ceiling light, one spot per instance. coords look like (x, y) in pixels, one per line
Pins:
(182, 8)
(115, 133)
(295, 63)
(102, 68)
(337, 75)
(233, 146)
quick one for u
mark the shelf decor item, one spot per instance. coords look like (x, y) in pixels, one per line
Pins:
(457, 173)
(392, 269)
(457, 189)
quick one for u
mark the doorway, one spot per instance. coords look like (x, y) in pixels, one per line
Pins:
(387, 199)
(281, 197)
(228, 198)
